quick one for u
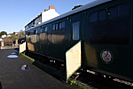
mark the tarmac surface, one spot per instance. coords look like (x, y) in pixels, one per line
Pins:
(13, 77)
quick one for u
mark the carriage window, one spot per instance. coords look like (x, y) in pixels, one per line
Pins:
(46, 29)
(75, 27)
(113, 12)
(123, 9)
(54, 27)
(34, 31)
(94, 17)
(102, 15)
(38, 30)
(41, 30)
(63, 24)
(31, 32)
(28, 33)
(57, 26)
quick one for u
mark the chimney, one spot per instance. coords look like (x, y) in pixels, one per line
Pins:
(51, 7)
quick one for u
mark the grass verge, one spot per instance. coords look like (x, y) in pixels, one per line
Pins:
(72, 81)
(28, 57)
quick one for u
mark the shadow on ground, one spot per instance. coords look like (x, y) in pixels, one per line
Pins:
(0, 85)
(57, 73)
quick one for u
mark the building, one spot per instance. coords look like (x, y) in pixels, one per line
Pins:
(3, 36)
(1, 39)
(44, 16)
(8, 35)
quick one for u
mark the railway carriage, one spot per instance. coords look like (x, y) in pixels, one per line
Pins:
(105, 30)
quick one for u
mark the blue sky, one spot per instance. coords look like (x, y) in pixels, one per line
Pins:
(15, 14)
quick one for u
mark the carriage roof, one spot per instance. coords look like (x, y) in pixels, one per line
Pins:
(82, 8)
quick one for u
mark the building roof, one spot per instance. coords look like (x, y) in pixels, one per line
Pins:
(46, 11)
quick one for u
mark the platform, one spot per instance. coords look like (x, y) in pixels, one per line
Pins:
(13, 77)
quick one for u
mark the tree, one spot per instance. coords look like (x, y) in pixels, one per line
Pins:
(3, 33)
(13, 33)
(21, 34)
(21, 30)
(77, 6)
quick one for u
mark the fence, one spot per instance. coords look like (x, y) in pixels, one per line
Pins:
(7, 43)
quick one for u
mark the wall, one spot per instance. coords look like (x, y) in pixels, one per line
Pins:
(49, 15)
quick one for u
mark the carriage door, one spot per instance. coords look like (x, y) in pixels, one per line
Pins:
(75, 26)
(73, 54)
(44, 40)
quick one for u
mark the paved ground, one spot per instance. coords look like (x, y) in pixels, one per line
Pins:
(12, 77)
(8, 47)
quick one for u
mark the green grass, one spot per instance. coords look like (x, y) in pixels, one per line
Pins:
(80, 85)
(73, 80)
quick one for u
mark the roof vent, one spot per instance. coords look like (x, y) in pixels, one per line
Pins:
(45, 10)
